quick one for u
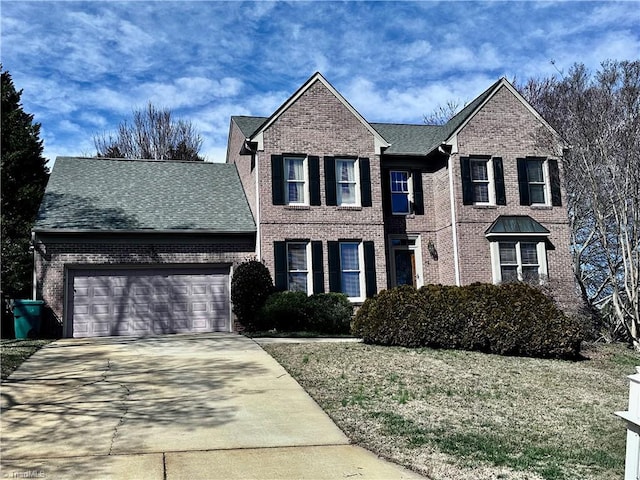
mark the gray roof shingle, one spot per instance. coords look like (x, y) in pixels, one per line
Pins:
(248, 125)
(98, 194)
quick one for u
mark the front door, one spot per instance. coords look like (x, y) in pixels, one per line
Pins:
(405, 260)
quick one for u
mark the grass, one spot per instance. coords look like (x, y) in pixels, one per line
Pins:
(14, 352)
(468, 415)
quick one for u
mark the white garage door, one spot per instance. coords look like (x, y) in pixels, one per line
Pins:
(148, 301)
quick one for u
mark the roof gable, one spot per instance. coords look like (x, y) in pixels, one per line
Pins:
(380, 142)
(98, 194)
(458, 122)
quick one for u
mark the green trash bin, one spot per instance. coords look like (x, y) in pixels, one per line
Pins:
(27, 316)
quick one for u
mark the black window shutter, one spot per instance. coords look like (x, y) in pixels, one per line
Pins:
(277, 179)
(370, 268)
(418, 196)
(523, 182)
(314, 180)
(280, 261)
(330, 180)
(554, 173)
(467, 186)
(317, 267)
(333, 254)
(365, 182)
(386, 191)
(498, 178)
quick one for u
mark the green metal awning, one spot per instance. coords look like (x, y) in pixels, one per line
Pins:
(522, 225)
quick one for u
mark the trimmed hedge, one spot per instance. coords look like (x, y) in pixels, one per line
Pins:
(295, 311)
(507, 319)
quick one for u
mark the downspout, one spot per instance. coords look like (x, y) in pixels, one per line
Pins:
(258, 239)
(454, 228)
(32, 247)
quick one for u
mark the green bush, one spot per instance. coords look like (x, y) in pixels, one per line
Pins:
(330, 313)
(509, 319)
(295, 311)
(251, 285)
(285, 311)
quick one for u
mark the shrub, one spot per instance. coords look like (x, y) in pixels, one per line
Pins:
(510, 319)
(285, 311)
(295, 311)
(251, 284)
(329, 313)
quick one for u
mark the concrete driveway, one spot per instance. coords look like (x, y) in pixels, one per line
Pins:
(211, 406)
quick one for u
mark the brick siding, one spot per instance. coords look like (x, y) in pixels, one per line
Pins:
(54, 256)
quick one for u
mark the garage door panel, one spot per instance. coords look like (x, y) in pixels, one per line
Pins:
(154, 301)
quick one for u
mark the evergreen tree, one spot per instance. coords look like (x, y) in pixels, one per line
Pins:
(24, 177)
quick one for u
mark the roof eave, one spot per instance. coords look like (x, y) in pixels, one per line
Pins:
(67, 231)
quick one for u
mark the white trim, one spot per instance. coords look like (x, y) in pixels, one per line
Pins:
(305, 180)
(256, 171)
(454, 228)
(409, 192)
(309, 271)
(416, 248)
(356, 175)
(491, 184)
(496, 265)
(361, 273)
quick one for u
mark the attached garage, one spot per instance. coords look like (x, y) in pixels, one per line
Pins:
(149, 301)
(140, 247)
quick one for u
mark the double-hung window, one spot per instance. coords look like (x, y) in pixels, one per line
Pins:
(537, 181)
(482, 180)
(298, 263)
(295, 175)
(348, 189)
(400, 192)
(521, 261)
(352, 270)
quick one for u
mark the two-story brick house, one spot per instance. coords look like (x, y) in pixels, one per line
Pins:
(342, 204)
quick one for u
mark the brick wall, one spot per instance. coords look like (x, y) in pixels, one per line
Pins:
(243, 164)
(319, 124)
(54, 255)
(505, 128)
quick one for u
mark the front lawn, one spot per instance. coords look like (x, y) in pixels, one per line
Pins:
(14, 352)
(468, 415)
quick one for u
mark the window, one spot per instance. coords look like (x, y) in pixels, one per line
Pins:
(348, 190)
(298, 261)
(537, 184)
(539, 180)
(295, 181)
(400, 192)
(482, 180)
(519, 261)
(351, 269)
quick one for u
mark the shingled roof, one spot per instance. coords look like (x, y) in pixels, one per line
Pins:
(404, 139)
(98, 194)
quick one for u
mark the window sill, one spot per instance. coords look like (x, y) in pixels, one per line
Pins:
(349, 207)
(406, 215)
(542, 207)
(297, 207)
(485, 207)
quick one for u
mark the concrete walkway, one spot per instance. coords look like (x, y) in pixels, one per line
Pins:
(210, 406)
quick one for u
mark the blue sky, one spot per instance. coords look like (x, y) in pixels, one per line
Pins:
(85, 66)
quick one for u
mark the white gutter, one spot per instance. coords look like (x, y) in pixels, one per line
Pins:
(454, 229)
